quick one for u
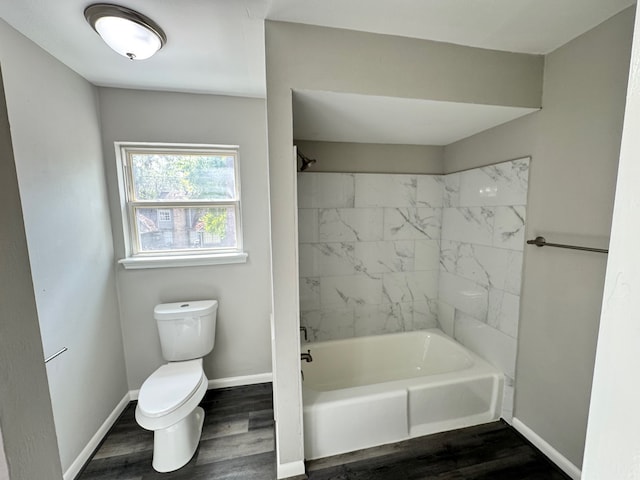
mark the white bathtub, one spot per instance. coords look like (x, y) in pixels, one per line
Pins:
(369, 391)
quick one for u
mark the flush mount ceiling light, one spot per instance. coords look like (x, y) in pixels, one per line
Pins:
(126, 31)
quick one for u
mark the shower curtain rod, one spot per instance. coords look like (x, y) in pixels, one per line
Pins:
(542, 242)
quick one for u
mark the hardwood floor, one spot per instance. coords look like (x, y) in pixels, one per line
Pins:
(493, 451)
(238, 443)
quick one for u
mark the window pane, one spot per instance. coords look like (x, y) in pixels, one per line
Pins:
(186, 176)
(186, 228)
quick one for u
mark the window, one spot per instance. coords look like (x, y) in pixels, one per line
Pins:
(164, 215)
(180, 201)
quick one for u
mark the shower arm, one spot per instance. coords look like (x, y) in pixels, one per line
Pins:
(306, 161)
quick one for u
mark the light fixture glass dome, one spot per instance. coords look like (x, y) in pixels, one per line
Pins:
(129, 33)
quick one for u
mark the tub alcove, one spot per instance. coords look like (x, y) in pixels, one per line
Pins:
(409, 275)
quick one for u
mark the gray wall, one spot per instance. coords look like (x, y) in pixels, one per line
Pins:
(574, 143)
(372, 158)
(4, 468)
(243, 290)
(305, 57)
(55, 131)
(26, 418)
(612, 436)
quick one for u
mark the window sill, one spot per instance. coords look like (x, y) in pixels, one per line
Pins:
(182, 261)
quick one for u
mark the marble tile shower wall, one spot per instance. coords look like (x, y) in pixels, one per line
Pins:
(369, 253)
(481, 250)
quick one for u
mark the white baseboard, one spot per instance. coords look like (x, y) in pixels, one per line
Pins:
(239, 381)
(87, 451)
(291, 469)
(556, 457)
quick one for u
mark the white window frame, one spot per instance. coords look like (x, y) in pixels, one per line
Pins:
(134, 258)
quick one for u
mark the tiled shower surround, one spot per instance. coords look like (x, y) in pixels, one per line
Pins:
(368, 253)
(383, 253)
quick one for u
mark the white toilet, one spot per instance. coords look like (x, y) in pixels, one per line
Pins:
(169, 398)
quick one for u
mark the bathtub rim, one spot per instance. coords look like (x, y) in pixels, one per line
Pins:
(479, 368)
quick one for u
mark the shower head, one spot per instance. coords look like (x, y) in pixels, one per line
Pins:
(306, 161)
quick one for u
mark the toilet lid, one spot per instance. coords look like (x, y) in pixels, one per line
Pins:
(169, 387)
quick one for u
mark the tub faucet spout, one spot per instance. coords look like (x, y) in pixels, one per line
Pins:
(306, 356)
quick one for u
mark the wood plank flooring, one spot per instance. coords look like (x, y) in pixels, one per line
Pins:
(493, 451)
(238, 443)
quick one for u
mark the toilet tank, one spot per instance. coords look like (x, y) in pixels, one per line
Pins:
(187, 329)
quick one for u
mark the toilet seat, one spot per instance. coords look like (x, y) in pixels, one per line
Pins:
(170, 387)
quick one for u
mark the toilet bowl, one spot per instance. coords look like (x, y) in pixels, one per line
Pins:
(168, 400)
(168, 405)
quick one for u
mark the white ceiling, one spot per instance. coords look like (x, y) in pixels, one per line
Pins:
(526, 26)
(344, 117)
(217, 47)
(213, 46)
